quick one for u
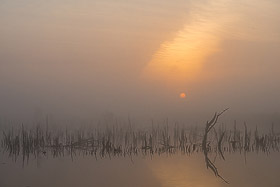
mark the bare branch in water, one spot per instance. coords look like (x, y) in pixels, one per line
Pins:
(209, 126)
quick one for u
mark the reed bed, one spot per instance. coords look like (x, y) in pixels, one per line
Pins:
(126, 141)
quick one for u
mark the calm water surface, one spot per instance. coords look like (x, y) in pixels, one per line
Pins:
(164, 157)
(164, 171)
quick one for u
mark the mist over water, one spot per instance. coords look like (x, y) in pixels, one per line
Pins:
(122, 93)
(71, 66)
(89, 59)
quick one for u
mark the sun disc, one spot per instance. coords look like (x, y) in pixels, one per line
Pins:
(182, 95)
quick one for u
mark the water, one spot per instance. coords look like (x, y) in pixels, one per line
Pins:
(164, 171)
(162, 156)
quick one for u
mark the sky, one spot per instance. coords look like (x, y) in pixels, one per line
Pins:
(85, 59)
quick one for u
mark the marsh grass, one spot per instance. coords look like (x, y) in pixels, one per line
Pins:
(126, 141)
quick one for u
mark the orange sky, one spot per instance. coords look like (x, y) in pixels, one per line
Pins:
(80, 58)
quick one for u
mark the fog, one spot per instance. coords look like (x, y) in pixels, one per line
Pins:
(90, 59)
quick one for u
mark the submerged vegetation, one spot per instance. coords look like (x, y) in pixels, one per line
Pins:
(127, 141)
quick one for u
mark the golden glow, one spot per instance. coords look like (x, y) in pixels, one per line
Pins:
(170, 172)
(183, 95)
(181, 59)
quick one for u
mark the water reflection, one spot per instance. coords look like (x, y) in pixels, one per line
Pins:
(118, 142)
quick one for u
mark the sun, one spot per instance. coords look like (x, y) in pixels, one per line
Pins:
(182, 95)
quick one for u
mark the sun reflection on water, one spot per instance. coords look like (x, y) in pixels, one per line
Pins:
(182, 171)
